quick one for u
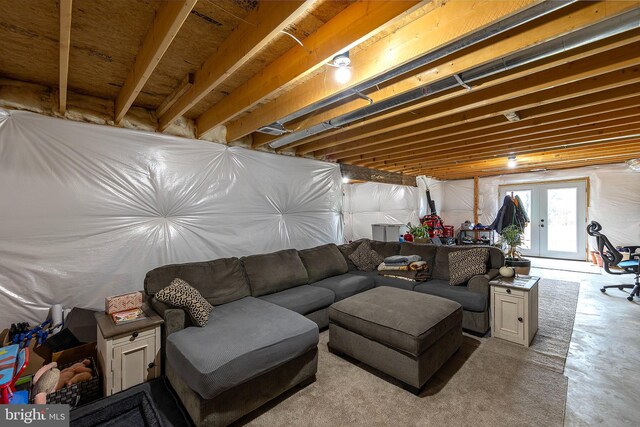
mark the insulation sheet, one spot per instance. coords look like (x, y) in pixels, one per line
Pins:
(87, 210)
(373, 203)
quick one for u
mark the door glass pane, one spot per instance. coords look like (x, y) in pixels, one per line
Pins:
(561, 219)
(525, 196)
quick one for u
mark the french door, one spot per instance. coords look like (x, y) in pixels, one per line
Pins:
(558, 215)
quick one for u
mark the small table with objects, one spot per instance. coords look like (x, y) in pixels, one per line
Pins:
(514, 308)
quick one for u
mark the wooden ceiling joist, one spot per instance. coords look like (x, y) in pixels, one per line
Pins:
(261, 27)
(65, 46)
(346, 30)
(593, 105)
(432, 30)
(168, 20)
(560, 23)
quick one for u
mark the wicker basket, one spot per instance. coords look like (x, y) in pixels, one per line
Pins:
(80, 393)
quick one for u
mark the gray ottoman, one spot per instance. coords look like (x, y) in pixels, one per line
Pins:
(405, 334)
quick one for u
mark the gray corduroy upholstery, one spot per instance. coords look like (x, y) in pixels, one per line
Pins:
(302, 299)
(471, 301)
(345, 285)
(386, 249)
(218, 281)
(242, 340)
(426, 252)
(323, 261)
(274, 272)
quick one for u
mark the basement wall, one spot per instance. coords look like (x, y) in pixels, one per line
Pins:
(614, 198)
(375, 203)
(87, 210)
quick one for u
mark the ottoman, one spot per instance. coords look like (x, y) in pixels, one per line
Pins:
(405, 334)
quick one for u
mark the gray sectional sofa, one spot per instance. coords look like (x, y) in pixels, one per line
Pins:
(262, 336)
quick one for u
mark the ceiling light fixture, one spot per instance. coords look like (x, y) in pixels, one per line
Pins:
(512, 116)
(343, 72)
(634, 164)
(345, 180)
(511, 162)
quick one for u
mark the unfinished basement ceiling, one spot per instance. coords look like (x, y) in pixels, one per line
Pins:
(575, 106)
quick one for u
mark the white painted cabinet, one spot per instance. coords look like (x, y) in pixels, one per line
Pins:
(514, 309)
(128, 355)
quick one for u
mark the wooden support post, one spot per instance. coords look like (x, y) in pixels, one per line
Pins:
(65, 47)
(476, 203)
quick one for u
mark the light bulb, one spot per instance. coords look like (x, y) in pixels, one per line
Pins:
(511, 163)
(345, 180)
(343, 74)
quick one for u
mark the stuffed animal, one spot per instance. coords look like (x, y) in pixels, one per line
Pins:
(75, 373)
(45, 381)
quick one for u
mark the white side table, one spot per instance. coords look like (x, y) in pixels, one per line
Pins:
(128, 354)
(514, 308)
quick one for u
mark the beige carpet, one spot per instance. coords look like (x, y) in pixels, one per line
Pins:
(483, 384)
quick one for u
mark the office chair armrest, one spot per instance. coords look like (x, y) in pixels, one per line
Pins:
(633, 255)
(631, 249)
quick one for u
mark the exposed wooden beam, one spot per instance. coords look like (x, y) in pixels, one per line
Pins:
(65, 47)
(358, 173)
(499, 99)
(529, 138)
(344, 31)
(166, 24)
(253, 34)
(497, 126)
(434, 29)
(476, 199)
(182, 88)
(562, 22)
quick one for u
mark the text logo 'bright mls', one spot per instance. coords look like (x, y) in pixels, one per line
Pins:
(36, 415)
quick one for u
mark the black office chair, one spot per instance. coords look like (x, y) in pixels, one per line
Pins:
(612, 257)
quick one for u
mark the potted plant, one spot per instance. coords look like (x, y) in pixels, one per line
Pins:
(420, 233)
(511, 240)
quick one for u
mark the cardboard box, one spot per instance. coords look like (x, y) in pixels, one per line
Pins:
(35, 360)
(69, 355)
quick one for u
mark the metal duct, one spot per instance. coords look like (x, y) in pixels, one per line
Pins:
(613, 26)
(508, 23)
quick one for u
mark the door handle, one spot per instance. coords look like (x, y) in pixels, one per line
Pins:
(542, 225)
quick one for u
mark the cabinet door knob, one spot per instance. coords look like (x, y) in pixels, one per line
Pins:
(152, 365)
(134, 335)
(508, 291)
(519, 319)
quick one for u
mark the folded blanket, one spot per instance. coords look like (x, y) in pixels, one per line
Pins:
(402, 259)
(419, 265)
(392, 267)
(415, 276)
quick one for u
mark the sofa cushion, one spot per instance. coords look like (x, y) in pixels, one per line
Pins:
(180, 294)
(365, 258)
(345, 285)
(303, 299)
(242, 340)
(401, 319)
(219, 281)
(274, 272)
(426, 252)
(347, 249)
(392, 282)
(385, 249)
(463, 265)
(470, 301)
(323, 261)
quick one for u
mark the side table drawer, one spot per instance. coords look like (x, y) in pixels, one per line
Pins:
(132, 337)
(509, 291)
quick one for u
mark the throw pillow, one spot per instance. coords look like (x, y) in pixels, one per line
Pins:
(183, 295)
(465, 264)
(365, 258)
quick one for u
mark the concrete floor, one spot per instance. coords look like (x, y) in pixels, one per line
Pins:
(603, 365)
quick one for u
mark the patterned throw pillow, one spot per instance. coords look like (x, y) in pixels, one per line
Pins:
(365, 258)
(463, 265)
(183, 295)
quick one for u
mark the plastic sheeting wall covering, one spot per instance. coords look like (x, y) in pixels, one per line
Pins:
(614, 198)
(374, 203)
(87, 210)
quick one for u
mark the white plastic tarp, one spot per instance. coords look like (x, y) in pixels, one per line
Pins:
(87, 210)
(374, 203)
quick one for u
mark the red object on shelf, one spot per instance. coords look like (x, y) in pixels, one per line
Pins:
(435, 224)
(448, 231)
(408, 237)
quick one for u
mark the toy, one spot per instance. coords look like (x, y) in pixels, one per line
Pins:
(75, 373)
(45, 381)
(13, 360)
